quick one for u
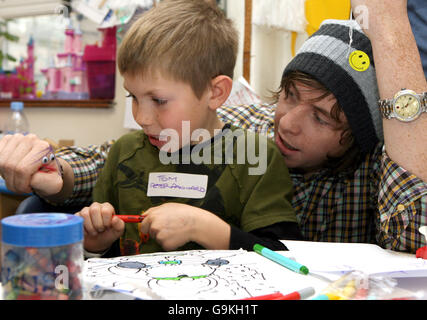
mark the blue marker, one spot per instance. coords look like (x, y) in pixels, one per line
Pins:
(282, 260)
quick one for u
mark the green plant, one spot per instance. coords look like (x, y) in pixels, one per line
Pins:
(8, 37)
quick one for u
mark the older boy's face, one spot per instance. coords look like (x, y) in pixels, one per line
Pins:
(160, 103)
(305, 133)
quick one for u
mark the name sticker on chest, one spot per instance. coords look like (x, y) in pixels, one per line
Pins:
(179, 185)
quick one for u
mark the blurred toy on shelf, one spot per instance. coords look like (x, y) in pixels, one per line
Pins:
(66, 77)
(101, 65)
(82, 72)
(19, 83)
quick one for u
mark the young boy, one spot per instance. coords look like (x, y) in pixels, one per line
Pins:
(177, 61)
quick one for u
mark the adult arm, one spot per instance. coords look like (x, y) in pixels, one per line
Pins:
(398, 65)
(83, 166)
(402, 202)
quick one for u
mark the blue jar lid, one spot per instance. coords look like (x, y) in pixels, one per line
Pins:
(42, 229)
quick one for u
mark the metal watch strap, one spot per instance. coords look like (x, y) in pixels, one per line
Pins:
(386, 108)
(424, 102)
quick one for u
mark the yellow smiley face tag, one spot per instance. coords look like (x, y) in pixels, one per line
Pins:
(359, 61)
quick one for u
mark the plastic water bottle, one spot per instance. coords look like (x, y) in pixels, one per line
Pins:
(17, 121)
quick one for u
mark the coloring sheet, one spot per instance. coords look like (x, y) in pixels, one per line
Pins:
(195, 274)
(344, 257)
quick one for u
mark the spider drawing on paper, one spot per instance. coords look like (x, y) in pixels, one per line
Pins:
(187, 275)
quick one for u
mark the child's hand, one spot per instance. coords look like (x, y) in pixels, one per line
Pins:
(101, 227)
(171, 224)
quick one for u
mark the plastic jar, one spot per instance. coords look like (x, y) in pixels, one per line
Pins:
(42, 256)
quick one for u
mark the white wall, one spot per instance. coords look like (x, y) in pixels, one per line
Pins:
(271, 51)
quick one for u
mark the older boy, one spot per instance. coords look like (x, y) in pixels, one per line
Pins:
(177, 61)
(329, 129)
(350, 186)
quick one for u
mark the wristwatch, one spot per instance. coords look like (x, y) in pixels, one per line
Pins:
(406, 105)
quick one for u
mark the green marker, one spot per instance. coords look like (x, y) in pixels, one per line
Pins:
(282, 260)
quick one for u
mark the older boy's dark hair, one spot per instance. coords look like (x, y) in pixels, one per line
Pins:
(188, 40)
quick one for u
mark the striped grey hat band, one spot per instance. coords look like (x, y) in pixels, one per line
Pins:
(360, 40)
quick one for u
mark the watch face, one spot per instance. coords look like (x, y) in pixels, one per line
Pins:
(407, 107)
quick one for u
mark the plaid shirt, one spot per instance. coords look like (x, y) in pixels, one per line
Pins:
(379, 202)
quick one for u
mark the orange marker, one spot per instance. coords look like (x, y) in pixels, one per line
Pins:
(130, 218)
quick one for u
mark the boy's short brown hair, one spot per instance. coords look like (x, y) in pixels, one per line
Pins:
(189, 40)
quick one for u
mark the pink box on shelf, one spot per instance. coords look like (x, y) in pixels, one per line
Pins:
(101, 66)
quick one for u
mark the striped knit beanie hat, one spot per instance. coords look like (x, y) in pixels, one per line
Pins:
(335, 56)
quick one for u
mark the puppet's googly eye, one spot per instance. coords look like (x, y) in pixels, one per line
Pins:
(52, 157)
(45, 160)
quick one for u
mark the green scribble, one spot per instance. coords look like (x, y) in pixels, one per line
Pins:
(171, 262)
(182, 277)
